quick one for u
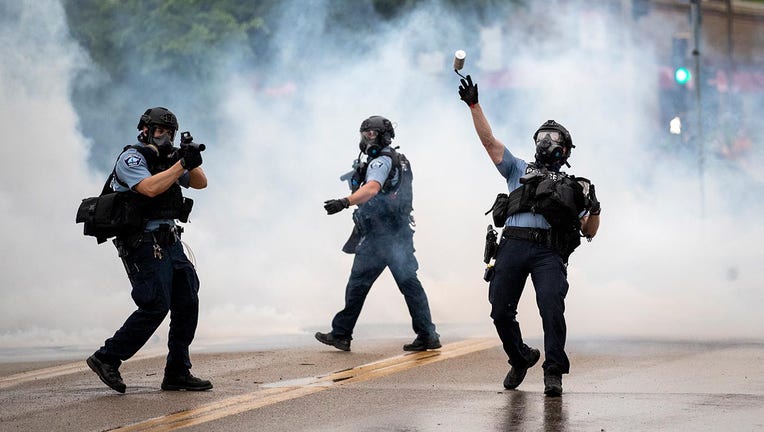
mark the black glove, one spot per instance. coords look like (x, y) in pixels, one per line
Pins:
(336, 205)
(594, 208)
(468, 91)
(191, 158)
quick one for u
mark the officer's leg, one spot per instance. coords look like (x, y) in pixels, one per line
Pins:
(504, 292)
(549, 276)
(151, 278)
(403, 265)
(367, 266)
(184, 311)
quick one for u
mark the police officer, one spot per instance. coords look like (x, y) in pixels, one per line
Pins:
(382, 237)
(163, 280)
(531, 245)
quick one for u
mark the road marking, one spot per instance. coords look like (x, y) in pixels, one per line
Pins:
(54, 371)
(44, 373)
(282, 391)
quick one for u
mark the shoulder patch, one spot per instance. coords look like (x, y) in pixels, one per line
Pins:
(133, 160)
(376, 164)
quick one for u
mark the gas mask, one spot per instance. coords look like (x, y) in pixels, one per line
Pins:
(550, 150)
(370, 142)
(163, 143)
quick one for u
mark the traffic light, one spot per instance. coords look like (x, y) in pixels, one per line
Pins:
(680, 60)
(675, 96)
(682, 75)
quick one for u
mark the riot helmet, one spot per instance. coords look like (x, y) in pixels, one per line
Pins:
(158, 117)
(553, 144)
(376, 133)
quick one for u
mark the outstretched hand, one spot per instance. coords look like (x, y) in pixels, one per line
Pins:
(336, 205)
(468, 91)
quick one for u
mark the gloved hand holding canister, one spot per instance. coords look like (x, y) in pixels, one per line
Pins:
(468, 91)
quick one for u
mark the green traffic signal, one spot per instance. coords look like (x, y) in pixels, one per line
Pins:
(682, 75)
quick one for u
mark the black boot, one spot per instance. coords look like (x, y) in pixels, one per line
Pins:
(516, 375)
(553, 385)
(109, 374)
(185, 382)
(421, 344)
(329, 339)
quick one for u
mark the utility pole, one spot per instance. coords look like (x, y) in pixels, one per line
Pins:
(729, 72)
(695, 19)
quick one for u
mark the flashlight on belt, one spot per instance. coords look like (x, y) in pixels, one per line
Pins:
(459, 57)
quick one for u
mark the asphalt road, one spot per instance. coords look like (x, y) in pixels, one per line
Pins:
(613, 386)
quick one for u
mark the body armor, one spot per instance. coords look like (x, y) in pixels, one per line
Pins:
(392, 207)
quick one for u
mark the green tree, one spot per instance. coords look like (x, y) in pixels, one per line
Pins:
(158, 36)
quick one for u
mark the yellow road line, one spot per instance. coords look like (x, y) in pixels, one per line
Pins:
(279, 392)
(54, 371)
(44, 373)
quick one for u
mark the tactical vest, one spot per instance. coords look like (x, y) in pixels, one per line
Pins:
(557, 196)
(170, 204)
(392, 206)
(124, 214)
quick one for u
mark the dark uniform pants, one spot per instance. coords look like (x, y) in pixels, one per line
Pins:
(160, 284)
(515, 260)
(374, 253)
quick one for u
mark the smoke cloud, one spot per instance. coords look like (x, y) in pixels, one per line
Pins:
(675, 257)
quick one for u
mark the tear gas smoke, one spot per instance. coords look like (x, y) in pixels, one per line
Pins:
(269, 257)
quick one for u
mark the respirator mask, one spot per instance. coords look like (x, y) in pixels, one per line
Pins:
(163, 143)
(368, 144)
(550, 150)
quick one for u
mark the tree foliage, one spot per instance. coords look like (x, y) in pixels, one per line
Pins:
(176, 52)
(157, 36)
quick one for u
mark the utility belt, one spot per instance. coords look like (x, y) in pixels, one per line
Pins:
(389, 223)
(563, 242)
(535, 235)
(364, 226)
(165, 235)
(543, 237)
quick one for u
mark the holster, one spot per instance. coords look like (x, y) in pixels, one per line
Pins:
(353, 241)
(491, 246)
(185, 209)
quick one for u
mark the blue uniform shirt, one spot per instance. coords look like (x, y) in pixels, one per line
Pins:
(512, 168)
(131, 168)
(379, 168)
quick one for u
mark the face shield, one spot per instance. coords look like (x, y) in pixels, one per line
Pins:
(368, 138)
(550, 150)
(554, 136)
(370, 135)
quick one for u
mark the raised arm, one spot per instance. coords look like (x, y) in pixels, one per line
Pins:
(469, 94)
(492, 145)
(591, 223)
